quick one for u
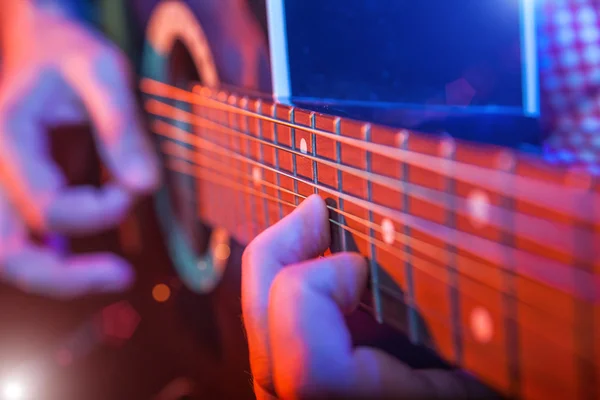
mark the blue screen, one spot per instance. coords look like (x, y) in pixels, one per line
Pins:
(425, 53)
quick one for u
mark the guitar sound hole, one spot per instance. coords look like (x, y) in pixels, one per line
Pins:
(182, 188)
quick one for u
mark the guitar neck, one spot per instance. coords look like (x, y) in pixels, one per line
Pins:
(477, 252)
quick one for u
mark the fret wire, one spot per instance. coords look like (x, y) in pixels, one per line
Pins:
(498, 215)
(592, 330)
(447, 147)
(277, 176)
(201, 170)
(390, 248)
(292, 117)
(530, 259)
(509, 295)
(372, 250)
(431, 313)
(531, 190)
(259, 122)
(413, 317)
(201, 173)
(313, 143)
(394, 251)
(167, 151)
(340, 187)
(254, 223)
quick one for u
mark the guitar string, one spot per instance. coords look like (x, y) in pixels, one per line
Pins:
(182, 166)
(560, 277)
(188, 133)
(563, 207)
(545, 194)
(547, 233)
(174, 150)
(560, 266)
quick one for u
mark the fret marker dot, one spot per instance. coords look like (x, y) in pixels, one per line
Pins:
(303, 146)
(478, 204)
(388, 232)
(256, 175)
(482, 325)
(447, 147)
(401, 138)
(506, 160)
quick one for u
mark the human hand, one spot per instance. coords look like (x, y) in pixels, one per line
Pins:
(56, 72)
(294, 305)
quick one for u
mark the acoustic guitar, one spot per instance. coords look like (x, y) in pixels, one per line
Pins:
(482, 252)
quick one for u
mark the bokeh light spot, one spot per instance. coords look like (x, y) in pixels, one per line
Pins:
(161, 293)
(222, 251)
(13, 390)
(119, 322)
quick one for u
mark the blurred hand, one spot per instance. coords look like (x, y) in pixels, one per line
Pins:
(294, 305)
(55, 72)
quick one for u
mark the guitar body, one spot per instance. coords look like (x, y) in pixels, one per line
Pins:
(478, 252)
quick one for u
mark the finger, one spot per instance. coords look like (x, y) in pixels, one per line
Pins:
(101, 79)
(39, 270)
(312, 350)
(12, 230)
(30, 176)
(42, 271)
(26, 170)
(309, 341)
(302, 235)
(82, 209)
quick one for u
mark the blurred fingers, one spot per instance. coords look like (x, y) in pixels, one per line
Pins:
(45, 271)
(102, 81)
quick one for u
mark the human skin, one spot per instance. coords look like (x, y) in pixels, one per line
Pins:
(57, 72)
(294, 303)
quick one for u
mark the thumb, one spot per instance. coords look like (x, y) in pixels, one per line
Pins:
(311, 347)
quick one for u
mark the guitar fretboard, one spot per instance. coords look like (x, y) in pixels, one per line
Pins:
(488, 257)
